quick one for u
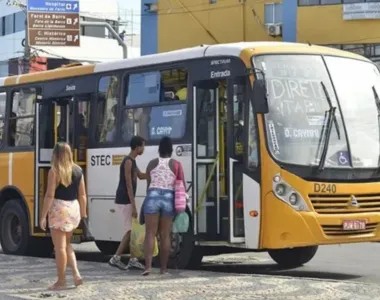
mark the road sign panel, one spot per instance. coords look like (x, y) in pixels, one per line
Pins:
(59, 6)
(54, 37)
(53, 21)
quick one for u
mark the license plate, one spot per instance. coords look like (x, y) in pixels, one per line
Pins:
(76, 239)
(353, 225)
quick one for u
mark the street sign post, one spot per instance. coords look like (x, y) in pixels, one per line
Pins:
(53, 23)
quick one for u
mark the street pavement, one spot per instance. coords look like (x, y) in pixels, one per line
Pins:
(337, 272)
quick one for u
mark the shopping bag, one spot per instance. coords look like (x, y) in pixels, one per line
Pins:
(179, 189)
(181, 223)
(137, 240)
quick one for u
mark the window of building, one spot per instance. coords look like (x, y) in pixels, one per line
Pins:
(326, 2)
(21, 120)
(1, 26)
(273, 13)
(355, 48)
(9, 27)
(355, 1)
(212, 1)
(20, 18)
(3, 99)
(108, 98)
(153, 105)
(308, 2)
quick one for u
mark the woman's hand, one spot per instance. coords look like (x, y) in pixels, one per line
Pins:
(83, 215)
(43, 224)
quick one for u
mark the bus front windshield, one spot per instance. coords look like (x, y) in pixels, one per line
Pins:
(301, 98)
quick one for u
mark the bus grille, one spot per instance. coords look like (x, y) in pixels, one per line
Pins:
(337, 230)
(338, 204)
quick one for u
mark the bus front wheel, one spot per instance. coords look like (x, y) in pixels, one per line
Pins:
(293, 257)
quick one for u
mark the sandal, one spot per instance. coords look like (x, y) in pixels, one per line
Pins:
(57, 287)
(78, 281)
(146, 273)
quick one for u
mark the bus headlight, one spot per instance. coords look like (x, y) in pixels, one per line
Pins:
(289, 195)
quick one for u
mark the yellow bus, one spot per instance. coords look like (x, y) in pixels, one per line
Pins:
(279, 141)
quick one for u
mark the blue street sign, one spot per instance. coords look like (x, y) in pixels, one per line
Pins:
(53, 6)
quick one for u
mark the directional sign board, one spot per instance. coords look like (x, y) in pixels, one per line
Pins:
(53, 23)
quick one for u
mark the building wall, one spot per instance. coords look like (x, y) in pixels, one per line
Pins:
(186, 23)
(324, 24)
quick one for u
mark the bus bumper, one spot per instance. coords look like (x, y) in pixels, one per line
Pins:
(284, 227)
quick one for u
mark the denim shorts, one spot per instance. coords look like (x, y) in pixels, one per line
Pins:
(159, 201)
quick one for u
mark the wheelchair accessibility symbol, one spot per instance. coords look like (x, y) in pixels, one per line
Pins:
(343, 159)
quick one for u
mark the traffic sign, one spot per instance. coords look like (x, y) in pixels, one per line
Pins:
(54, 37)
(59, 6)
(53, 22)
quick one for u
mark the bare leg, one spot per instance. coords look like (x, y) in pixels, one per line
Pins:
(59, 241)
(165, 241)
(72, 260)
(124, 244)
(151, 225)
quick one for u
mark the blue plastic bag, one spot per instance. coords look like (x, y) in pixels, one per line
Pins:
(181, 223)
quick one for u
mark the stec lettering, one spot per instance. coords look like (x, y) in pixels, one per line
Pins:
(101, 160)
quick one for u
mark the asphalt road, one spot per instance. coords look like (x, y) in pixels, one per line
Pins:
(352, 262)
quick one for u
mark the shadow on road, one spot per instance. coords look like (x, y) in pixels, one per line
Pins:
(273, 269)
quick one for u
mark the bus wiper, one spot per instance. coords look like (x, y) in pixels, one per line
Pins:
(377, 101)
(331, 118)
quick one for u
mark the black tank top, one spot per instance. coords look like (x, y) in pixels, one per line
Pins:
(70, 193)
(122, 189)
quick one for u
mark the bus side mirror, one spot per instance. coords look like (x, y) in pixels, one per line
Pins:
(259, 97)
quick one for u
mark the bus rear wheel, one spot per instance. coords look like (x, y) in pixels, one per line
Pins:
(184, 254)
(107, 247)
(14, 232)
(294, 257)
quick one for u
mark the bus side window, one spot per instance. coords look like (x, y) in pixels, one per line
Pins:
(21, 120)
(144, 113)
(3, 97)
(106, 109)
(253, 152)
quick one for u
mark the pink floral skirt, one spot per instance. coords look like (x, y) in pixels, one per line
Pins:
(64, 215)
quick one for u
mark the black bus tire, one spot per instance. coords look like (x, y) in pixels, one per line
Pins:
(184, 253)
(14, 229)
(293, 257)
(107, 247)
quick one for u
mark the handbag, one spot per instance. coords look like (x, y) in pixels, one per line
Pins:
(181, 223)
(87, 233)
(179, 190)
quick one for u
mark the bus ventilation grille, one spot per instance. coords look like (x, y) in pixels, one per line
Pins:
(337, 230)
(345, 203)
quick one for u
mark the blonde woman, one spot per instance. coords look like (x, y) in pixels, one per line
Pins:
(64, 211)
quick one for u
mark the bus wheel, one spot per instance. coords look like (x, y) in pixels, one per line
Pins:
(14, 229)
(183, 253)
(107, 247)
(294, 257)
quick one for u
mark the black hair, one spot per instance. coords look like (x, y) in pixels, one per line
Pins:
(165, 149)
(136, 141)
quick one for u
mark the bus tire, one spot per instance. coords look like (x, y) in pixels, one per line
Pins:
(293, 257)
(184, 254)
(107, 247)
(14, 229)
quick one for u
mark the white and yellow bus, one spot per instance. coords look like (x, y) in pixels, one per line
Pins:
(280, 144)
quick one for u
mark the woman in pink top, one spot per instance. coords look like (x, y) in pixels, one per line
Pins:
(158, 205)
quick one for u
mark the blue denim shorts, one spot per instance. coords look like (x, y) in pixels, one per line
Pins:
(159, 201)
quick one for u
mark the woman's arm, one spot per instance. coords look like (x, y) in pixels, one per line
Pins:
(82, 198)
(49, 195)
(147, 174)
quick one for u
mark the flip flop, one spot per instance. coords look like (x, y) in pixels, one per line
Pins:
(146, 273)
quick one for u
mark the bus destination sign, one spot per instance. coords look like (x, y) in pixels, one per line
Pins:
(53, 23)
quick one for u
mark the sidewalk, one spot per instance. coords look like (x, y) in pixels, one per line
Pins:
(27, 278)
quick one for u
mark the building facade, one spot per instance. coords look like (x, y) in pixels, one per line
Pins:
(97, 44)
(347, 24)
